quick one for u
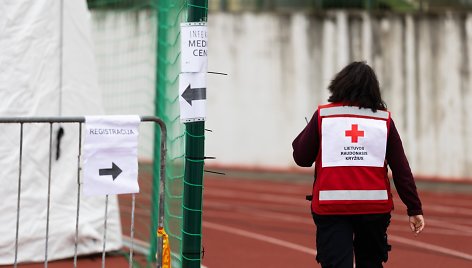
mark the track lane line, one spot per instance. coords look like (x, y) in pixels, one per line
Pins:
(309, 222)
(260, 237)
(449, 209)
(429, 230)
(272, 197)
(441, 223)
(430, 247)
(256, 197)
(280, 189)
(279, 242)
(394, 238)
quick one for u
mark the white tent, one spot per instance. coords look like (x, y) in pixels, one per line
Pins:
(47, 68)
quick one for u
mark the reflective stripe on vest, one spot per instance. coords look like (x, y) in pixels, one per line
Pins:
(357, 195)
(351, 110)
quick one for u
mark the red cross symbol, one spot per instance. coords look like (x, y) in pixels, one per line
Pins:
(354, 133)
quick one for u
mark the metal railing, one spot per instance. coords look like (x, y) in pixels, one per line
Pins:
(80, 121)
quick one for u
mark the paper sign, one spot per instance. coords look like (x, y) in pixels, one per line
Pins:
(110, 155)
(353, 142)
(192, 97)
(194, 43)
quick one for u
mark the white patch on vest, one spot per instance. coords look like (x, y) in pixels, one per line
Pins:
(348, 141)
(343, 110)
(353, 195)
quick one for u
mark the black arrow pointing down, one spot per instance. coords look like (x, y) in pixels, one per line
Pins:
(114, 171)
(190, 94)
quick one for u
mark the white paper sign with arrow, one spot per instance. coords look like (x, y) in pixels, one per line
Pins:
(192, 97)
(110, 155)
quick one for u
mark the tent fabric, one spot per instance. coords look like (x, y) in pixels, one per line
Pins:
(48, 69)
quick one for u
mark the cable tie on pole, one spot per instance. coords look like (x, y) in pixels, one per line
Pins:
(214, 172)
(209, 130)
(192, 253)
(191, 209)
(194, 136)
(218, 73)
(197, 6)
(199, 158)
(192, 184)
(194, 159)
(192, 234)
(189, 259)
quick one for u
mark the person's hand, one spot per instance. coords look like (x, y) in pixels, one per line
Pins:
(416, 224)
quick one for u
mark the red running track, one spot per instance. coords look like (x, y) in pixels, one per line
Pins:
(258, 223)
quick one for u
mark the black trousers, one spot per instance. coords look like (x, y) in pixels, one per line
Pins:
(341, 237)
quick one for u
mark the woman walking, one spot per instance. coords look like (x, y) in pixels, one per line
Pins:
(352, 141)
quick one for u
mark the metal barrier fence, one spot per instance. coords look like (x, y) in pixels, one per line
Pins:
(80, 120)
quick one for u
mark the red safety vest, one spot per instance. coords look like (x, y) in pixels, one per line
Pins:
(351, 171)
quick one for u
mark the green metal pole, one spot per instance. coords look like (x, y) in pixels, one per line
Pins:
(193, 179)
(192, 200)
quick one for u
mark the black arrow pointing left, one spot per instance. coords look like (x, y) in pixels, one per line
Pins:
(190, 94)
(114, 171)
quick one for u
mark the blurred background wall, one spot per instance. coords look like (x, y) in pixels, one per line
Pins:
(280, 56)
(280, 62)
(313, 5)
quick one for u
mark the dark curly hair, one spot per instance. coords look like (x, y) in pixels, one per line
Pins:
(357, 85)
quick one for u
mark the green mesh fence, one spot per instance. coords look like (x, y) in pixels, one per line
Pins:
(171, 13)
(137, 47)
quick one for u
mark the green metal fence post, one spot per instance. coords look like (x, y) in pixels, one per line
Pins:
(192, 199)
(193, 180)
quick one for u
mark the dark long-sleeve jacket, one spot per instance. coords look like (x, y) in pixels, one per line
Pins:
(306, 146)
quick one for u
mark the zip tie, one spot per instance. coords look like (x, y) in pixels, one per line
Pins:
(200, 158)
(190, 259)
(190, 233)
(195, 160)
(194, 136)
(214, 172)
(218, 73)
(193, 184)
(192, 5)
(191, 209)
